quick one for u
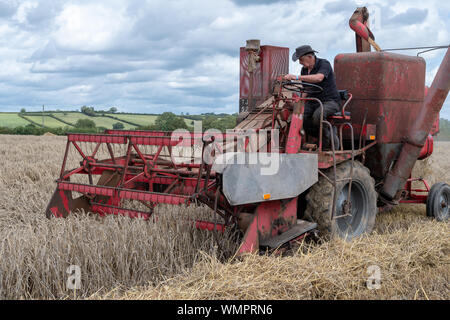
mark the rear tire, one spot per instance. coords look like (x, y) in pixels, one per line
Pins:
(438, 201)
(363, 203)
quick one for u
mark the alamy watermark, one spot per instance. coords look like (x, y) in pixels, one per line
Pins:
(374, 15)
(374, 280)
(74, 278)
(248, 146)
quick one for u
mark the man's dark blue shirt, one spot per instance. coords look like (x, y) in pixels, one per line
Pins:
(328, 83)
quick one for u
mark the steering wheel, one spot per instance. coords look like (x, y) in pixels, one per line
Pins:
(302, 87)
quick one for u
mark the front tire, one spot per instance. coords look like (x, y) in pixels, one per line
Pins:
(363, 203)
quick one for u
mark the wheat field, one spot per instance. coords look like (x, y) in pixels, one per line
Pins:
(123, 258)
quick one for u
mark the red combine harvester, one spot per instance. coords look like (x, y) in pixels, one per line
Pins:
(266, 177)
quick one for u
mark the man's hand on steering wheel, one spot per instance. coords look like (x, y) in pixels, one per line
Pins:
(290, 77)
(297, 85)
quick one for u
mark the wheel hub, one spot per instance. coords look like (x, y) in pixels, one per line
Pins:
(350, 213)
(444, 205)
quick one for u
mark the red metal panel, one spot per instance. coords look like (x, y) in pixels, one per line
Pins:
(84, 188)
(419, 130)
(435, 128)
(427, 149)
(210, 226)
(270, 219)
(274, 61)
(390, 86)
(124, 193)
(155, 140)
(245, 76)
(294, 139)
(99, 138)
(153, 197)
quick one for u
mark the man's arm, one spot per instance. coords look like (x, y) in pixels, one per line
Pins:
(312, 78)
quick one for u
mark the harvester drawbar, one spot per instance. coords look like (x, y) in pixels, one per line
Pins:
(267, 177)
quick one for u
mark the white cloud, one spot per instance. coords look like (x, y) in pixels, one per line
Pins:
(91, 27)
(227, 22)
(181, 56)
(22, 11)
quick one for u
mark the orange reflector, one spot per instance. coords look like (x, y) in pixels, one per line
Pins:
(266, 196)
(372, 137)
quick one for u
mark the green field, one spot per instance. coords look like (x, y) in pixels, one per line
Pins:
(72, 117)
(11, 120)
(48, 121)
(142, 120)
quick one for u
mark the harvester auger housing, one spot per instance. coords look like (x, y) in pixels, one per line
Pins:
(266, 177)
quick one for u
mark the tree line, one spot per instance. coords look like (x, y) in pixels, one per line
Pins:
(167, 121)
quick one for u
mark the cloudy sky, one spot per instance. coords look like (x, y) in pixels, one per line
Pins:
(181, 56)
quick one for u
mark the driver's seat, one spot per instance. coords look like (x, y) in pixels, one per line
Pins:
(345, 99)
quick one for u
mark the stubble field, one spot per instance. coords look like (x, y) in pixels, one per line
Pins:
(121, 258)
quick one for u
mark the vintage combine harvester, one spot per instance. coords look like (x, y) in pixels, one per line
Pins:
(266, 177)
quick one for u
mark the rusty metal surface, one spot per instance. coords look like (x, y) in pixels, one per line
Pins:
(273, 62)
(380, 158)
(427, 149)
(359, 22)
(270, 219)
(300, 228)
(418, 131)
(390, 86)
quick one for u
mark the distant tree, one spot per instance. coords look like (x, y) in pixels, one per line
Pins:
(168, 121)
(113, 109)
(23, 110)
(85, 124)
(88, 111)
(118, 126)
(222, 123)
(210, 122)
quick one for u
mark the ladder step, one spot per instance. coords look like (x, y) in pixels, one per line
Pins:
(300, 228)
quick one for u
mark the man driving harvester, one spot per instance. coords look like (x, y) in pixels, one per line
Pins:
(319, 72)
